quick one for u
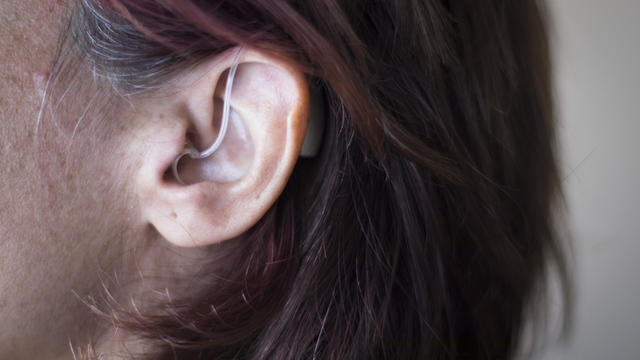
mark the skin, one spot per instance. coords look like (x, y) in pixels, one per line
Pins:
(49, 236)
(69, 215)
(84, 200)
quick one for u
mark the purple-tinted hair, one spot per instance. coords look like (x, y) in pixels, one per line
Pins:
(424, 228)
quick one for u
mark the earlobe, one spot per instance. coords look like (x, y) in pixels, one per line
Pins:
(223, 195)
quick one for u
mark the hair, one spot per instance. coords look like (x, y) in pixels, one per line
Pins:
(426, 226)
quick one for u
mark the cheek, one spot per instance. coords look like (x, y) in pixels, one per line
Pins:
(86, 176)
(66, 213)
(65, 208)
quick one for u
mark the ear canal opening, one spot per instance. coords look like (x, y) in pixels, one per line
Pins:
(189, 149)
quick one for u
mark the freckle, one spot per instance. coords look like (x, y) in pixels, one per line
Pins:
(173, 215)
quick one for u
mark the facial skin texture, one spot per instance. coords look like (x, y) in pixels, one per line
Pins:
(68, 216)
(56, 227)
(83, 188)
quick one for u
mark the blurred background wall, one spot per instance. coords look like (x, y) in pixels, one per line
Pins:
(597, 59)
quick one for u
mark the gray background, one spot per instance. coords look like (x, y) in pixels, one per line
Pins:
(597, 54)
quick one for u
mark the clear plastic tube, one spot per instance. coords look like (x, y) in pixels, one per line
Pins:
(193, 152)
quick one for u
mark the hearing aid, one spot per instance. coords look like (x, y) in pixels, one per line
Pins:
(312, 140)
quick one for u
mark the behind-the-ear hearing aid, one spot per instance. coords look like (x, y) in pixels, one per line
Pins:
(315, 127)
(312, 139)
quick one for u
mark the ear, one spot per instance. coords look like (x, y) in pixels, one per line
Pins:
(227, 193)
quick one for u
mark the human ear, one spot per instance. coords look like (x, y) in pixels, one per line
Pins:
(223, 195)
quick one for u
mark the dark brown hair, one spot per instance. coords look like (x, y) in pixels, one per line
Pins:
(425, 227)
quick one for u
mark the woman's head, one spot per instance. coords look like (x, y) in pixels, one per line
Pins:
(421, 228)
